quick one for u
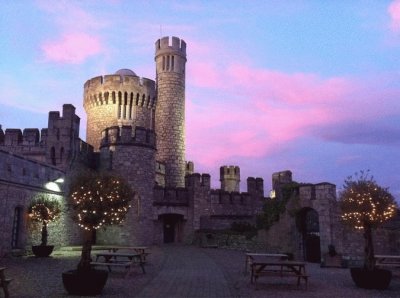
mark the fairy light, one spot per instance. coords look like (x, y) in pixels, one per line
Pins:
(363, 201)
(105, 202)
(44, 211)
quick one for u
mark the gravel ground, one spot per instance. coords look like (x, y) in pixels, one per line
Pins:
(41, 277)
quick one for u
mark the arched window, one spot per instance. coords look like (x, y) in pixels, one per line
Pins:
(16, 228)
(53, 156)
(61, 154)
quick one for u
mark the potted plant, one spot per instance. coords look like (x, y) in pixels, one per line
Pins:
(43, 210)
(365, 205)
(96, 200)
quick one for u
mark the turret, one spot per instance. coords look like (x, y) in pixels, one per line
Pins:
(120, 99)
(230, 178)
(62, 136)
(170, 58)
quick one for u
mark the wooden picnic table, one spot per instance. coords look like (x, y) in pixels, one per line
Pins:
(251, 255)
(116, 259)
(138, 249)
(4, 282)
(264, 266)
(387, 261)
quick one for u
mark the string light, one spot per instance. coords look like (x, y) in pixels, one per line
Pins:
(104, 202)
(363, 201)
(44, 211)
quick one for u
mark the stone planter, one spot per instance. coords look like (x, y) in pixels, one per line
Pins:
(84, 283)
(42, 251)
(377, 279)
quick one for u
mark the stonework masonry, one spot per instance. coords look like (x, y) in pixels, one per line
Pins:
(170, 112)
(136, 129)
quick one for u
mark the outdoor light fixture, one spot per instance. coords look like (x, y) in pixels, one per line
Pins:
(54, 185)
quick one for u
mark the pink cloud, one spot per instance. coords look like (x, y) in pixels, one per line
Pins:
(72, 48)
(255, 112)
(394, 12)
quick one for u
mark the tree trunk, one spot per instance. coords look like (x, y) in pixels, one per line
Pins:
(44, 234)
(369, 259)
(84, 263)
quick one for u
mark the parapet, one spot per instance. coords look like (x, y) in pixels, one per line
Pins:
(31, 137)
(189, 168)
(198, 180)
(117, 88)
(280, 178)
(68, 113)
(128, 136)
(255, 186)
(177, 46)
(13, 137)
(170, 196)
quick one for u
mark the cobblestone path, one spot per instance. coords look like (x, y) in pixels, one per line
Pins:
(187, 272)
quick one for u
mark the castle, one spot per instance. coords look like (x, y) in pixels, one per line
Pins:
(135, 128)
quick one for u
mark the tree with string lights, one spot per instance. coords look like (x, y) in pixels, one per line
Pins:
(44, 211)
(98, 200)
(365, 206)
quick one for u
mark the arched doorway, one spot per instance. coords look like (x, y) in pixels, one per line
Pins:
(172, 227)
(308, 224)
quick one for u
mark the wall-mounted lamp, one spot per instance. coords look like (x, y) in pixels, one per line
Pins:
(54, 185)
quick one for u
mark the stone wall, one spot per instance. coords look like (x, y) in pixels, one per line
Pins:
(170, 112)
(21, 180)
(122, 99)
(132, 158)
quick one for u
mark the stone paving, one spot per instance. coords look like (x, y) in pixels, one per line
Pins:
(183, 271)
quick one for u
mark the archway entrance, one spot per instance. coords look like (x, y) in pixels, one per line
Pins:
(308, 224)
(172, 227)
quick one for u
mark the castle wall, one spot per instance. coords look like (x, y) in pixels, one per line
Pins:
(21, 180)
(131, 154)
(29, 142)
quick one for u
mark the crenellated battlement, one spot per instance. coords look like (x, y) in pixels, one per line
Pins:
(128, 136)
(29, 137)
(255, 186)
(197, 180)
(221, 197)
(167, 45)
(170, 196)
(119, 89)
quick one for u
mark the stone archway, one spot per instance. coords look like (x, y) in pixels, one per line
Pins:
(172, 227)
(308, 224)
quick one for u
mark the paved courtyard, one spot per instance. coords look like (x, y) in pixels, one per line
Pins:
(183, 271)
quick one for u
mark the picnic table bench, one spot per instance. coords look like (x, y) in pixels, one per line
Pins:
(138, 249)
(4, 282)
(262, 266)
(115, 259)
(390, 261)
(251, 255)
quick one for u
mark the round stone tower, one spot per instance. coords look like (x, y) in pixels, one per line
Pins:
(170, 113)
(118, 100)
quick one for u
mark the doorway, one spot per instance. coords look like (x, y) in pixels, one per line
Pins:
(172, 227)
(308, 223)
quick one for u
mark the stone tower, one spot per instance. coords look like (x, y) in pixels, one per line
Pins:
(120, 99)
(230, 178)
(170, 112)
(62, 137)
